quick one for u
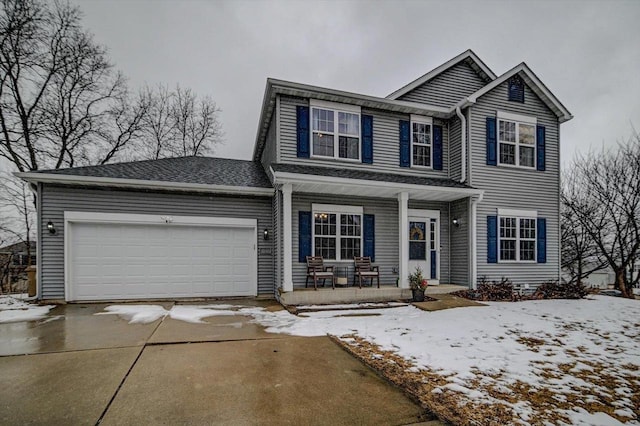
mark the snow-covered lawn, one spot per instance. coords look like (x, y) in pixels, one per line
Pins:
(13, 309)
(534, 362)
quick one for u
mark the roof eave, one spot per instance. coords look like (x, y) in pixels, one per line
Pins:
(467, 54)
(536, 85)
(142, 184)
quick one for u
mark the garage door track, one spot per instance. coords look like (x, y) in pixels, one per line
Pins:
(76, 367)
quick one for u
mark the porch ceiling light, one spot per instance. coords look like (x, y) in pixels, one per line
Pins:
(456, 222)
(51, 228)
(265, 234)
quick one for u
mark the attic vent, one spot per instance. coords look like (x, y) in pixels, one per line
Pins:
(516, 89)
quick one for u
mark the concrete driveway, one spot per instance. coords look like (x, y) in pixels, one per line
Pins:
(79, 368)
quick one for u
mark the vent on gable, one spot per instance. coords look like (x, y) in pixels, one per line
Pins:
(516, 89)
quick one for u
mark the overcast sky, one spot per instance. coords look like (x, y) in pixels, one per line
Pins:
(586, 52)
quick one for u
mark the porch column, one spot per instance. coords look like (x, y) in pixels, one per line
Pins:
(403, 228)
(287, 284)
(473, 234)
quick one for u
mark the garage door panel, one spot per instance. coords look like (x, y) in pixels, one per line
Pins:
(139, 261)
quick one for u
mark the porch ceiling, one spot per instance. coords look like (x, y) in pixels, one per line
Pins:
(314, 184)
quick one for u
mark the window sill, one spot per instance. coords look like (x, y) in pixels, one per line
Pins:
(345, 160)
(422, 167)
(511, 166)
(517, 261)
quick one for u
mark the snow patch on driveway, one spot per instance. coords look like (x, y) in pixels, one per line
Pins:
(144, 314)
(15, 310)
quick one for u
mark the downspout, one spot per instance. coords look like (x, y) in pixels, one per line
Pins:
(463, 147)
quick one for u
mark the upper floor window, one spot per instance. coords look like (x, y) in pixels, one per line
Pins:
(516, 140)
(335, 130)
(516, 89)
(337, 231)
(517, 236)
(421, 141)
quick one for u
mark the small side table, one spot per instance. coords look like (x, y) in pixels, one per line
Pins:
(342, 277)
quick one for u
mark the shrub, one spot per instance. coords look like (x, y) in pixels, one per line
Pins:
(490, 291)
(557, 290)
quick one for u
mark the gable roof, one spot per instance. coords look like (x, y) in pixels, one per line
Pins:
(533, 82)
(468, 55)
(180, 173)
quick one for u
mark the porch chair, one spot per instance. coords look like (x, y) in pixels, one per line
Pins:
(365, 270)
(317, 271)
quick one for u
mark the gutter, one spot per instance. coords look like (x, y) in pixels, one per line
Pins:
(142, 184)
(463, 147)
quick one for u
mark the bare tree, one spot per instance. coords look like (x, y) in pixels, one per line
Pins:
(580, 254)
(178, 123)
(603, 194)
(61, 102)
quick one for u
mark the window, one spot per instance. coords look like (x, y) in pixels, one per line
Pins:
(421, 137)
(517, 141)
(335, 130)
(517, 237)
(337, 232)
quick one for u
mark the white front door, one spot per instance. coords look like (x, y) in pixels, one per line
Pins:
(424, 243)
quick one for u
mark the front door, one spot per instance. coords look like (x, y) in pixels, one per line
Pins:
(424, 243)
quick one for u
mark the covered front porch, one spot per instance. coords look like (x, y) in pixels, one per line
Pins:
(326, 296)
(401, 222)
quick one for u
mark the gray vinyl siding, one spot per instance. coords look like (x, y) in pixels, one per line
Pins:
(455, 150)
(444, 233)
(460, 242)
(269, 155)
(515, 188)
(386, 143)
(447, 88)
(386, 234)
(58, 199)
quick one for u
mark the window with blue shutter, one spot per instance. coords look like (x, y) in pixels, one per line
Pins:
(369, 236)
(540, 130)
(367, 139)
(491, 141)
(304, 235)
(516, 89)
(437, 148)
(302, 128)
(492, 239)
(405, 145)
(542, 240)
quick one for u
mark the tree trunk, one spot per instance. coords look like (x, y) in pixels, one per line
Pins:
(622, 285)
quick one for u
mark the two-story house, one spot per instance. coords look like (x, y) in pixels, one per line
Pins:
(457, 173)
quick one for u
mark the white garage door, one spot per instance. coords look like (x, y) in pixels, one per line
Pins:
(115, 260)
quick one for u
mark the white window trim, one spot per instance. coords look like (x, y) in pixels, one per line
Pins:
(422, 120)
(517, 215)
(337, 210)
(336, 108)
(517, 119)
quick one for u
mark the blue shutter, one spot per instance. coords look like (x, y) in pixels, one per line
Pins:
(542, 240)
(302, 118)
(492, 239)
(304, 236)
(434, 264)
(491, 142)
(367, 139)
(437, 148)
(369, 234)
(405, 146)
(540, 130)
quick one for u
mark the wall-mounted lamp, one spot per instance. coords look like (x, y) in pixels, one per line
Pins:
(456, 222)
(265, 234)
(51, 228)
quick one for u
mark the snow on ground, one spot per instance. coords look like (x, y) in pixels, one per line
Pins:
(144, 314)
(15, 310)
(584, 353)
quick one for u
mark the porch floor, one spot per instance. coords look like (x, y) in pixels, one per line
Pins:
(327, 295)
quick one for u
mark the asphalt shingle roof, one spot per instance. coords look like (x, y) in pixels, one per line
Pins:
(199, 170)
(366, 175)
